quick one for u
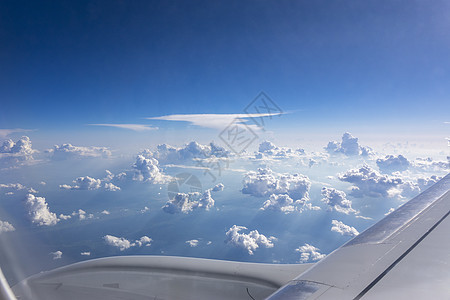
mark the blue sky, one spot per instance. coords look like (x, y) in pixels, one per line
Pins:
(117, 78)
(336, 66)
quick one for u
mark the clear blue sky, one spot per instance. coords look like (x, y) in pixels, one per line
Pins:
(65, 64)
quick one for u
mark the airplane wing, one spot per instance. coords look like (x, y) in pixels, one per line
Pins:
(158, 277)
(404, 256)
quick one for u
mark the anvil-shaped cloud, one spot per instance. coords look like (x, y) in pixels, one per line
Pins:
(216, 121)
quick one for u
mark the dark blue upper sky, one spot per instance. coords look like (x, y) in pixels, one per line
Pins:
(71, 63)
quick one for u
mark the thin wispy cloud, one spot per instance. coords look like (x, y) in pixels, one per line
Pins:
(5, 132)
(135, 127)
(215, 121)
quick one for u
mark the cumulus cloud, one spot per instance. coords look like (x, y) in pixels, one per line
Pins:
(10, 187)
(64, 217)
(268, 149)
(370, 182)
(187, 202)
(87, 253)
(337, 200)
(82, 215)
(218, 187)
(428, 164)
(284, 203)
(393, 163)
(425, 182)
(123, 243)
(167, 154)
(309, 253)
(265, 182)
(89, 183)
(147, 169)
(144, 241)
(56, 255)
(251, 241)
(118, 242)
(6, 227)
(192, 243)
(391, 210)
(343, 229)
(68, 151)
(39, 212)
(348, 146)
(144, 210)
(12, 153)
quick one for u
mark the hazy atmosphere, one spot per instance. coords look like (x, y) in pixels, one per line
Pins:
(260, 131)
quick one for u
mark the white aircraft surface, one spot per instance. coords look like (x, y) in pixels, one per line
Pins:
(404, 256)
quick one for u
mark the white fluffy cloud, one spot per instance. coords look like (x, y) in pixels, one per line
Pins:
(147, 169)
(56, 254)
(192, 243)
(284, 203)
(428, 164)
(393, 163)
(10, 187)
(68, 151)
(6, 227)
(264, 182)
(268, 149)
(22, 146)
(12, 153)
(123, 243)
(118, 242)
(89, 183)
(82, 215)
(39, 212)
(348, 146)
(144, 241)
(251, 241)
(187, 202)
(343, 229)
(218, 187)
(87, 253)
(337, 200)
(309, 253)
(370, 182)
(167, 154)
